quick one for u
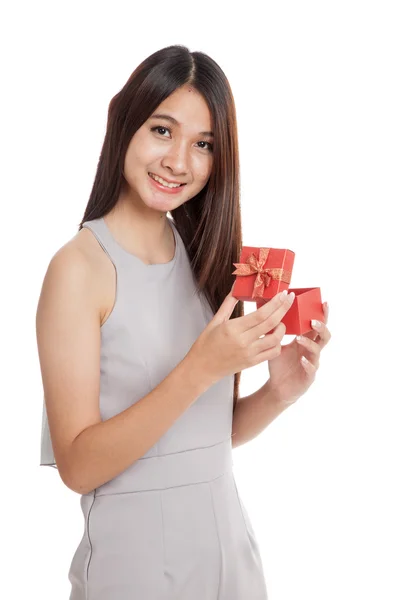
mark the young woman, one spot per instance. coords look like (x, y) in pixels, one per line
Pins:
(140, 359)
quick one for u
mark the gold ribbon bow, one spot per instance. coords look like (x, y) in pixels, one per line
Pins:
(264, 276)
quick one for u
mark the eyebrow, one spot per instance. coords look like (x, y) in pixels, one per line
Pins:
(175, 122)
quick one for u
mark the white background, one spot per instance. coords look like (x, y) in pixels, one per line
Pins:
(316, 86)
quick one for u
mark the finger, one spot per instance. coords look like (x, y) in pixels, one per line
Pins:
(260, 314)
(269, 316)
(226, 309)
(309, 367)
(322, 331)
(314, 333)
(270, 340)
(325, 307)
(312, 349)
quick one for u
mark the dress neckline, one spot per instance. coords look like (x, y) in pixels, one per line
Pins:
(134, 257)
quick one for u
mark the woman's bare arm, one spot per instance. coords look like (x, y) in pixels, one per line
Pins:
(89, 451)
(105, 449)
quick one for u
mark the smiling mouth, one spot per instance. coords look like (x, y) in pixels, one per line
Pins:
(168, 185)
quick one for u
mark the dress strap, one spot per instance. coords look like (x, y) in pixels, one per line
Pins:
(105, 239)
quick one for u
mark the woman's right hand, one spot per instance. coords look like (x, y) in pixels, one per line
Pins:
(227, 346)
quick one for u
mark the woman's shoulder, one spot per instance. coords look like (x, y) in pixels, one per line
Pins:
(81, 263)
(78, 256)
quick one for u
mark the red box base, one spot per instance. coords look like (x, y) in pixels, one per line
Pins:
(307, 305)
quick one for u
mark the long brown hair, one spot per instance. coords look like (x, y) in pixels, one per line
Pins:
(210, 222)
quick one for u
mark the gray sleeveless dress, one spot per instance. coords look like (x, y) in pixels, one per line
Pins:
(172, 526)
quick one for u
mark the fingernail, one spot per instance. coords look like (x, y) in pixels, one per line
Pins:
(283, 295)
(291, 297)
(315, 323)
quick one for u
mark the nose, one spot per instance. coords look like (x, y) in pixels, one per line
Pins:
(176, 159)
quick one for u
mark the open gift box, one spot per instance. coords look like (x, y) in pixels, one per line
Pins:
(264, 272)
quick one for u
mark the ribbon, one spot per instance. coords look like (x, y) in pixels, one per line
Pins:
(264, 275)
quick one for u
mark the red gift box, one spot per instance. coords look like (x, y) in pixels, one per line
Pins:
(307, 305)
(262, 273)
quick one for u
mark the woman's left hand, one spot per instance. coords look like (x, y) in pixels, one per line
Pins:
(290, 375)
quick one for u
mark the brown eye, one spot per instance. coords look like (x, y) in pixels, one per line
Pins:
(160, 127)
(210, 146)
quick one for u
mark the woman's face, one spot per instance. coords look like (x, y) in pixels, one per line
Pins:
(179, 152)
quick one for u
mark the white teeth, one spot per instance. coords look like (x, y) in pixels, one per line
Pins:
(163, 182)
